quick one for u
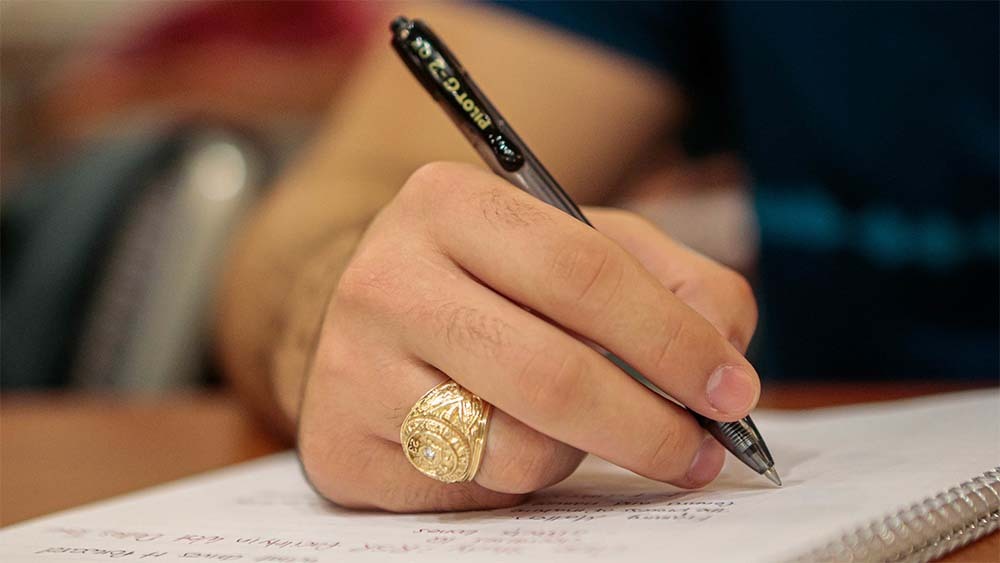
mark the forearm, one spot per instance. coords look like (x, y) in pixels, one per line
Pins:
(286, 261)
(270, 313)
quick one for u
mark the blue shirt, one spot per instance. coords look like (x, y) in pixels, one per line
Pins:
(871, 133)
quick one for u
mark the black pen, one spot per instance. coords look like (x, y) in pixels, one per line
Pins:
(509, 157)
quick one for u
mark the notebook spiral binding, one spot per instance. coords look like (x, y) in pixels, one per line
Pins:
(924, 531)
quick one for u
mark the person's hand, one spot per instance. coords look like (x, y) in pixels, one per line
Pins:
(463, 276)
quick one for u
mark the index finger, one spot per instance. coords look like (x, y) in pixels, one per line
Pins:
(548, 261)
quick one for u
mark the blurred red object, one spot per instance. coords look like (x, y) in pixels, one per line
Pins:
(290, 25)
(256, 63)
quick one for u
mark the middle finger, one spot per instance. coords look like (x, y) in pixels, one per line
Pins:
(516, 459)
(542, 258)
(557, 385)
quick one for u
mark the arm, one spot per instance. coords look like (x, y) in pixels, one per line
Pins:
(289, 256)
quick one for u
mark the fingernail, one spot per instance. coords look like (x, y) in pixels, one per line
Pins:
(707, 463)
(731, 390)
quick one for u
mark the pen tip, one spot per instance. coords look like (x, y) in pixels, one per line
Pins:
(772, 476)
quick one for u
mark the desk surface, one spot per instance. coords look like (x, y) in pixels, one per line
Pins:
(61, 451)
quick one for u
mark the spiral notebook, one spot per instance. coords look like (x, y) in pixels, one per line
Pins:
(903, 481)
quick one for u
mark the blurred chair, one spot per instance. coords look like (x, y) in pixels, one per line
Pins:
(110, 258)
(110, 253)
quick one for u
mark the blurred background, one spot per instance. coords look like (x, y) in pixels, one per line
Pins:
(133, 137)
(136, 134)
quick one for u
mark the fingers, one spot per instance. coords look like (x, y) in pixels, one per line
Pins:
(555, 384)
(374, 474)
(436, 290)
(349, 465)
(544, 259)
(356, 399)
(716, 292)
(516, 458)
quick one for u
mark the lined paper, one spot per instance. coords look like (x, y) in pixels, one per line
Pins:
(841, 467)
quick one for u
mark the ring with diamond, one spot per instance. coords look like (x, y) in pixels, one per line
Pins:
(444, 434)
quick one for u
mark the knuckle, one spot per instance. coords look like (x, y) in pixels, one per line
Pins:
(740, 288)
(393, 498)
(662, 457)
(463, 497)
(469, 328)
(327, 368)
(533, 467)
(360, 486)
(504, 207)
(747, 299)
(586, 274)
(437, 186)
(429, 179)
(671, 343)
(745, 312)
(323, 475)
(333, 363)
(368, 281)
(338, 458)
(551, 383)
(397, 498)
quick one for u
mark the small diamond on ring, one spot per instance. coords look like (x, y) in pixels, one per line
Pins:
(429, 452)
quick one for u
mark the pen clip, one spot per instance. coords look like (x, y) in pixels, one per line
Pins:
(439, 71)
(444, 78)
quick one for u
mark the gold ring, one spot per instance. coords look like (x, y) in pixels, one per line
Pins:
(444, 433)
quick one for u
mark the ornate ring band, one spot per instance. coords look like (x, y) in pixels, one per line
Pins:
(444, 434)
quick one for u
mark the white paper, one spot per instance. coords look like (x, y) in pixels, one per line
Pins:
(841, 467)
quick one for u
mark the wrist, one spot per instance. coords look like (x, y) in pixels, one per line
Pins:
(301, 319)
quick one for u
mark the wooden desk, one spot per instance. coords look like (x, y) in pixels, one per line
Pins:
(61, 451)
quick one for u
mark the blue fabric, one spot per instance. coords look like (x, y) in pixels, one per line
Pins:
(872, 133)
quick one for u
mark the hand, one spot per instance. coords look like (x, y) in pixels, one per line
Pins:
(438, 288)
